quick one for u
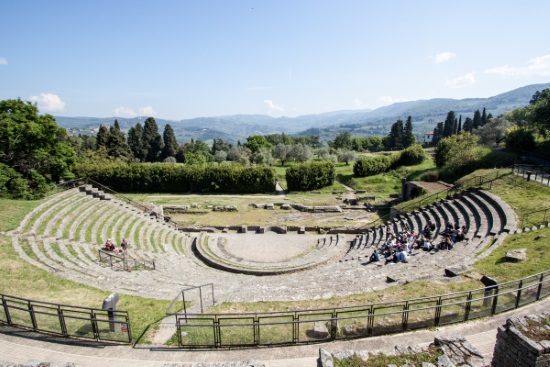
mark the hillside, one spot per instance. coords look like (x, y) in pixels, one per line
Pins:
(425, 114)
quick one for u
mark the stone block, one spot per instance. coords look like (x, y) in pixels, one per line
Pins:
(516, 255)
(320, 330)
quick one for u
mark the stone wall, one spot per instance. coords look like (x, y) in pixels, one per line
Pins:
(456, 352)
(523, 342)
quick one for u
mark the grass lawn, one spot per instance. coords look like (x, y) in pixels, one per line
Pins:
(21, 279)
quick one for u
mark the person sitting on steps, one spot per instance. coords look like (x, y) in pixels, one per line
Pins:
(110, 246)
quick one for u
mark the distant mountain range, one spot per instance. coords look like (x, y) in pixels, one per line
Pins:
(425, 115)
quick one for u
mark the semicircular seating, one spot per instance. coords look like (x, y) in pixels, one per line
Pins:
(63, 236)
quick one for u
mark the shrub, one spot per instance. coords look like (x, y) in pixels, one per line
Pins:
(371, 166)
(519, 138)
(162, 177)
(411, 156)
(310, 176)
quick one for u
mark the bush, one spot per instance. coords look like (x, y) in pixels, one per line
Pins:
(371, 166)
(409, 157)
(310, 176)
(162, 177)
(519, 138)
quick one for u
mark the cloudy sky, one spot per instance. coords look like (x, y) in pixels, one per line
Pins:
(179, 59)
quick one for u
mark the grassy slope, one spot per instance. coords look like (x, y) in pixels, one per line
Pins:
(21, 279)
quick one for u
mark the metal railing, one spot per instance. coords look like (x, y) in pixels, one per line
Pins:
(67, 321)
(181, 294)
(322, 325)
(121, 261)
(481, 182)
(536, 173)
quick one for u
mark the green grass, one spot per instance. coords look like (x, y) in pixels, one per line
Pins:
(382, 360)
(537, 244)
(12, 212)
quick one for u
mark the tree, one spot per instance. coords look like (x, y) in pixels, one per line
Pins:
(342, 141)
(281, 151)
(493, 132)
(448, 125)
(456, 151)
(395, 137)
(300, 153)
(255, 142)
(152, 141)
(468, 124)
(541, 112)
(34, 147)
(484, 118)
(135, 142)
(102, 139)
(346, 155)
(117, 147)
(170, 147)
(477, 120)
(408, 136)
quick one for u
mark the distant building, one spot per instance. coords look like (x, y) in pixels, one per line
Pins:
(428, 137)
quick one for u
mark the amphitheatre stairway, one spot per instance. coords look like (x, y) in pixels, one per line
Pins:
(63, 236)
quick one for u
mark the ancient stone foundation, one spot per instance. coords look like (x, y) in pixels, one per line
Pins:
(523, 342)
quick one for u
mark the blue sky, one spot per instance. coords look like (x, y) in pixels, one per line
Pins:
(183, 59)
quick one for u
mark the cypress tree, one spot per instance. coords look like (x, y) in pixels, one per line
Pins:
(408, 135)
(477, 120)
(135, 142)
(170, 144)
(116, 144)
(152, 141)
(468, 124)
(448, 126)
(102, 137)
(484, 118)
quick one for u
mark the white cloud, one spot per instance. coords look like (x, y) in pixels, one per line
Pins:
(444, 57)
(48, 102)
(358, 103)
(273, 108)
(122, 111)
(147, 111)
(538, 66)
(462, 81)
(387, 100)
(3, 61)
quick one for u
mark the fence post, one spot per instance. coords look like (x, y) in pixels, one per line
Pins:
(62, 321)
(518, 295)
(468, 307)
(405, 318)
(217, 332)
(33, 317)
(539, 290)
(495, 300)
(6, 310)
(295, 328)
(256, 328)
(178, 330)
(438, 312)
(95, 328)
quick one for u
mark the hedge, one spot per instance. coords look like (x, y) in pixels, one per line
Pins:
(310, 176)
(179, 178)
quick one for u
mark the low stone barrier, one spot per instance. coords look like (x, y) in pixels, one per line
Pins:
(456, 352)
(523, 342)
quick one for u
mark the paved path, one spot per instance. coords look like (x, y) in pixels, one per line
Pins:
(16, 348)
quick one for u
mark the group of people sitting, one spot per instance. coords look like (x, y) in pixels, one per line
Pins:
(399, 248)
(111, 246)
(396, 248)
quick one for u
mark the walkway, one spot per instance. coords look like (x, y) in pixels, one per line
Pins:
(16, 348)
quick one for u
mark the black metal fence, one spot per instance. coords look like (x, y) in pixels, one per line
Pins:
(321, 325)
(68, 321)
(532, 172)
(122, 261)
